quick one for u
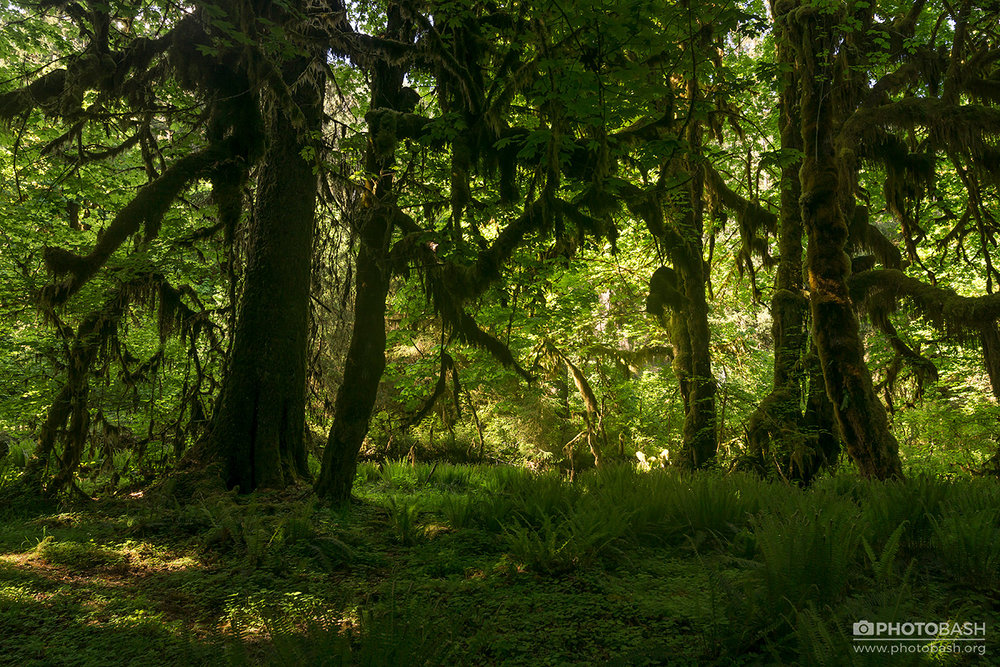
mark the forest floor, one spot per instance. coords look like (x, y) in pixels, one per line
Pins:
(442, 564)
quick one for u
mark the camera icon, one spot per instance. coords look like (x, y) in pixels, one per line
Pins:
(864, 629)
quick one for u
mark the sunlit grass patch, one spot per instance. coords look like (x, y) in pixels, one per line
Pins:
(11, 594)
(267, 612)
(79, 555)
(146, 555)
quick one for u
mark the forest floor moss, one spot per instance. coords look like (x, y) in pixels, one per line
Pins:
(455, 565)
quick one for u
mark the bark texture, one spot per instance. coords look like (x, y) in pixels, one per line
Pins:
(365, 361)
(690, 332)
(781, 435)
(860, 415)
(260, 419)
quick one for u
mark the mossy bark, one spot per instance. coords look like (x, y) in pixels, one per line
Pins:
(860, 415)
(365, 361)
(258, 426)
(691, 334)
(780, 434)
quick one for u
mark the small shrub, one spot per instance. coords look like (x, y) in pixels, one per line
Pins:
(809, 555)
(545, 548)
(968, 544)
(888, 505)
(560, 543)
(541, 497)
(883, 564)
(367, 473)
(505, 479)
(714, 506)
(459, 510)
(392, 637)
(255, 538)
(452, 476)
(492, 513)
(404, 514)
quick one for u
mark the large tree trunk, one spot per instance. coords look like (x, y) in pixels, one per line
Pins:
(780, 434)
(859, 413)
(260, 418)
(365, 361)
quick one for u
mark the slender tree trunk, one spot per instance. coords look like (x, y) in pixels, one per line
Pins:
(365, 361)
(72, 401)
(690, 331)
(789, 304)
(859, 413)
(364, 365)
(989, 336)
(560, 381)
(258, 429)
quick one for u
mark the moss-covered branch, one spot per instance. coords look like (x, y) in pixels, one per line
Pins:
(146, 209)
(60, 92)
(755, 221)
(967, 127)
(955, 315)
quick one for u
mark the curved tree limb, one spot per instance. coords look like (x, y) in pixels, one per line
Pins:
(147, 209)
(949, 312)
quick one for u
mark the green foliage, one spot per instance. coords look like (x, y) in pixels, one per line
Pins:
(888, 506)
(459, 510)
(556, 544)
(404, 519)
(393, 637)
(78, 555)
(806, 555)
(511, 567)
(968, 544)
(368, 471)
(883, 564)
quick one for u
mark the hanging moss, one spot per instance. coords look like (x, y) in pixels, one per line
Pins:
(447, 368)
(968, 128)
(865, 236)
(958, 317)
(147, 209)
(756, 223)
(664, 292)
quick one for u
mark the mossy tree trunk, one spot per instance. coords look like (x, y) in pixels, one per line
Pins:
(690, 333)
(259, 423)
(860, 415)
(365, 361)
(780, 434)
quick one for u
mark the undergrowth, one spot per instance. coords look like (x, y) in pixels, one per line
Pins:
(447, 564)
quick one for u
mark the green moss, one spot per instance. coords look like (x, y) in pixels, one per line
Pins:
(78, 555)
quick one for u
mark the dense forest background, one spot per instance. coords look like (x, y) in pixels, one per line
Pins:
(261, 242)
(744, 235)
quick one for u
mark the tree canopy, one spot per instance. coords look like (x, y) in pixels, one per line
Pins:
(275, 237)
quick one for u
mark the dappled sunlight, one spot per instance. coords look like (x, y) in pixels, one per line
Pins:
(465, 332)
(491, 563)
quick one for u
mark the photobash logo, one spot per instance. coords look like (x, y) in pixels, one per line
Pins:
(919, 631)
(919, 637)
